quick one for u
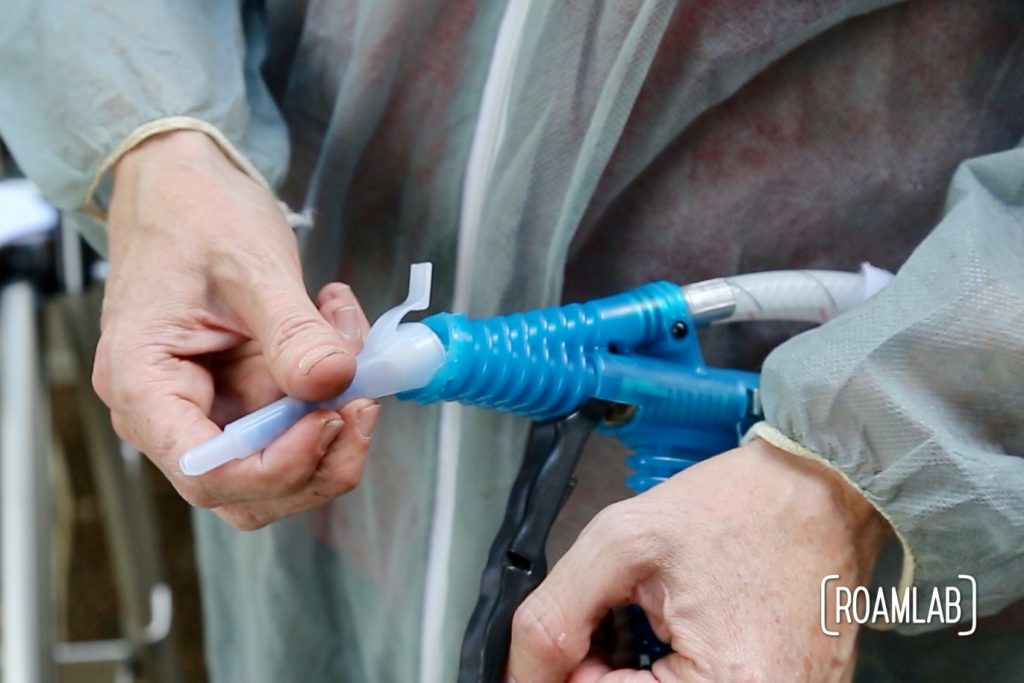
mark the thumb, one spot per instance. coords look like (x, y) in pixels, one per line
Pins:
(306, 357)
(551, 630)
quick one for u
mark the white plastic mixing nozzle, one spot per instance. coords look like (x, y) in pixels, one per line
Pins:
(396, 357)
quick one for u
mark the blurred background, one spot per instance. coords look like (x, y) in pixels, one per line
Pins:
(98, 571)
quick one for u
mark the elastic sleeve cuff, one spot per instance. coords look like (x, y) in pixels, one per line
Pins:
(157, 127)
(763, 430)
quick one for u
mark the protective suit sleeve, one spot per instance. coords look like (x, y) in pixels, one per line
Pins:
(917, 396)
(85, 81)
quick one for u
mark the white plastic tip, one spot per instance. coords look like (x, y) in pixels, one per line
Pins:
(875, 280)
(418, 298)
(209, 456)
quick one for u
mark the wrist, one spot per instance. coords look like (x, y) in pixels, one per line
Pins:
(171, 172)
(820, 491)
(175, 146)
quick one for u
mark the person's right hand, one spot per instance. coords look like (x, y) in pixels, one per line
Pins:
(726, 559)
(205, 317)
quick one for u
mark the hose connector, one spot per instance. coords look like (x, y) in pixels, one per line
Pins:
(544, 364)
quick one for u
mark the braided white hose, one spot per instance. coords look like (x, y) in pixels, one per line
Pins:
(799, 295)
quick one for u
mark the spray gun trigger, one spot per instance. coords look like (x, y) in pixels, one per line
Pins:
(418, 299)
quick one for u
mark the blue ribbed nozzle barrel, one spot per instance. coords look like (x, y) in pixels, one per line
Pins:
(542, 363)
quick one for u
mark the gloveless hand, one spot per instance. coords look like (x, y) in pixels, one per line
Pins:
(726, 558)
(205, 317)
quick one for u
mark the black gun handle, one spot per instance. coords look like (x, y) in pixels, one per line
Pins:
(516, 563)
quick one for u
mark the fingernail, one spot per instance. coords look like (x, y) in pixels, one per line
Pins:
(328, 434)
(315, 356)
(509, 679)
(366, 418)
(346, 322)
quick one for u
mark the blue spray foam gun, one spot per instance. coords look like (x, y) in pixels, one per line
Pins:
(629, 365)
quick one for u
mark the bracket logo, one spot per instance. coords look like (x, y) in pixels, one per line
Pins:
(887, 606)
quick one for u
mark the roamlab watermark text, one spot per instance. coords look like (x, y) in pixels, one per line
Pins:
(860, 605)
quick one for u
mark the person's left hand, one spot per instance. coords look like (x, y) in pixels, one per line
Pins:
(206, 317)
(726, 559)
